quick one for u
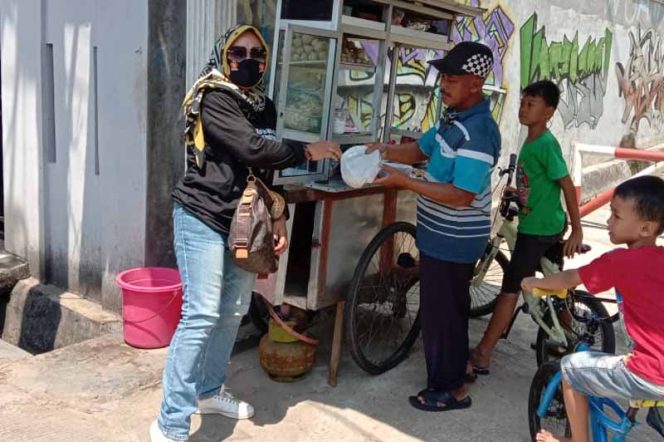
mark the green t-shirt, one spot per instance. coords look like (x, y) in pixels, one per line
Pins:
(540, 165)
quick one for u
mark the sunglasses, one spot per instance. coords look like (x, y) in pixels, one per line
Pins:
(240, 53)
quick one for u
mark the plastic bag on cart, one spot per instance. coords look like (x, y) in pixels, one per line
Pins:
(358, 168)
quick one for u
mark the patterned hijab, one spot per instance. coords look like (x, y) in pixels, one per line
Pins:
(215, 75)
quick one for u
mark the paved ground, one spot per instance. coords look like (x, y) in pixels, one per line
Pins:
(102, 390)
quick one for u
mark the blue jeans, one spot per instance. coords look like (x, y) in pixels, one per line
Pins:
(217, 294)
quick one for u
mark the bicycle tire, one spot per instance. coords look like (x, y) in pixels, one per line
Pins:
(359, 294)
(557, 407)
(608, 336)
(483, 300)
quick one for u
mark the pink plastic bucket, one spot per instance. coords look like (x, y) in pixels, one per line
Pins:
(151, 305)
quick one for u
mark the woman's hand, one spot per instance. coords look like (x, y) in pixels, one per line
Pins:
(280, 235)
(323, 149)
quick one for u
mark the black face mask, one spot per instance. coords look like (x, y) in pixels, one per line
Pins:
(248, 73)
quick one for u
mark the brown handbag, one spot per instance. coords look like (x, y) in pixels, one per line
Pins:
(251, 238)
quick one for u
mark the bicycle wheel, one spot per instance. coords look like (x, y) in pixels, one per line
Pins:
(382, 307)
(605, 337)
(485, 286)
(555, 418)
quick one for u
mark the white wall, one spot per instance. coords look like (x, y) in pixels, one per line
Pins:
(93, 224)
(21, 121)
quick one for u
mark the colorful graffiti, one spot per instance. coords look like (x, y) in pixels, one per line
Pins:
(416, 110)
(411, 61)
(494, 29)
(411, 109)
(634, 12)
(641, 80)
(581, 72)
(362, 108)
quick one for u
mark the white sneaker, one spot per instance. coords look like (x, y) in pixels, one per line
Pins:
(156, 435)
(225, 404)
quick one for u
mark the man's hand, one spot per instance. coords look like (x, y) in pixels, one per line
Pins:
(573, 243)
(381, 147)
(280, 235)
(391, 177)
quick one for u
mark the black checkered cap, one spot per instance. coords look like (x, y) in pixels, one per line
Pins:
(467, 57)
(478, 64)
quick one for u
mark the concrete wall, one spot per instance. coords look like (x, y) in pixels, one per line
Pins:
(599, 105)
(20, 60)
(76, 188)
(165, 89)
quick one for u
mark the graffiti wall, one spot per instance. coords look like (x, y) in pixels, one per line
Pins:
(414, 103)
(414, 100)
(607, 59)
(641, 80)
(578, 64)
(495, 29)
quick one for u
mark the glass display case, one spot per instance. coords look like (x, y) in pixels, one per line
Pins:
(357, 93)
(303, 96)
(415, 97)
(357, 73)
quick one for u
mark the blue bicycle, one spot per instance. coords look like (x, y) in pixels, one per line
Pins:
(546, 407)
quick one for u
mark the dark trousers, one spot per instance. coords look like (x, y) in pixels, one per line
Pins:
(444, 312)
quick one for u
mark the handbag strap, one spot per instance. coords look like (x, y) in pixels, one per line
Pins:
(243, 221)
(261, 188)
(255, 189)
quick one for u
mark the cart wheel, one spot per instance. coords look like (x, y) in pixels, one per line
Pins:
(383, 303)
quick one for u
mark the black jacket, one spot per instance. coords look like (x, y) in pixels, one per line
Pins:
(236, 138)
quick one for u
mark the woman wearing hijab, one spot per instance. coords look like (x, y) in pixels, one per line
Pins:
(230, 127)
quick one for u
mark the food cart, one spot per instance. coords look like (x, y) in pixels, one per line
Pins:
(355, 71)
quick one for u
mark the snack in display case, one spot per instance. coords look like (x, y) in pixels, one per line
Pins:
(306, 82)
(309, 48)
(352, 52)
(304, 109)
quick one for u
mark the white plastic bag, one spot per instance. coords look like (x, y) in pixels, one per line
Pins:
(358, 168)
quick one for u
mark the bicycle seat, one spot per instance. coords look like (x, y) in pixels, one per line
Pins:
(646, 403)
(562, 293)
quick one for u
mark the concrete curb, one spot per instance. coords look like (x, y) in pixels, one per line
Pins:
(41, 318)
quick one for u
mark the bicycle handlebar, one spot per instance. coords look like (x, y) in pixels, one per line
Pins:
(562, 293)
(510, 169)
(575, 294)
(507, 199)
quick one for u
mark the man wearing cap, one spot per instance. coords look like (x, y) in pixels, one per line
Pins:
(453, 217)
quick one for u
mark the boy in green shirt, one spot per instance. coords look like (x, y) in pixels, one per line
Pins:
(541, 175)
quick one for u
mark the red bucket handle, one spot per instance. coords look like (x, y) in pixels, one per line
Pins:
(175, 295)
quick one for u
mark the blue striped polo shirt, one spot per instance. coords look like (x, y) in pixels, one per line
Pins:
(463, 148)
